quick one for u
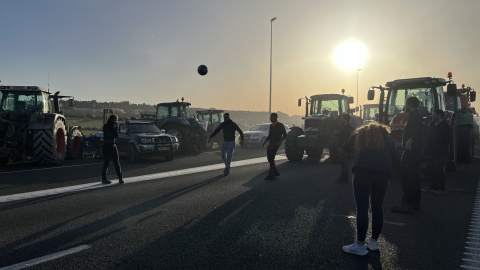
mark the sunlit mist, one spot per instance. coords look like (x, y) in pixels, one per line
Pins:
(350, 55)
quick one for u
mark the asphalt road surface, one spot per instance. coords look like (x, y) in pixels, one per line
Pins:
(185, 214)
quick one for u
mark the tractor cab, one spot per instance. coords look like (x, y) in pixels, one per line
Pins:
(211, 118)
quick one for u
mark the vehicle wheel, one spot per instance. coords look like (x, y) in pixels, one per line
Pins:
(133, 154)
(75, 144)
(49, 145)
(292, 150)
(170, 156)
(201, 137)
(466, 141)
(179, 132)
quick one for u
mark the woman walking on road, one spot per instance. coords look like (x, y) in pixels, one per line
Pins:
(372, 169)
(109, 149)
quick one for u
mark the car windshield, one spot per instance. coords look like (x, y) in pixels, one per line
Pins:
(143, 128)
(259, 128)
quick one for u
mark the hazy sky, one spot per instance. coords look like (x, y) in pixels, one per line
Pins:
(148, 51)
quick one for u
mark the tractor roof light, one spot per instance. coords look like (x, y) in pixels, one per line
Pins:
(449, 75)
(463, 85)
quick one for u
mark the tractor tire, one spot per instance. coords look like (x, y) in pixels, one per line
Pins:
(133, 154)
(49, 145)
(292, 150)
(466, 144)
(201, 137)
(179, 132)
(75, 144)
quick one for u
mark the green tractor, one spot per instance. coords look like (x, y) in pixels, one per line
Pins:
(321, 122)
(211, 119)
(32, 127)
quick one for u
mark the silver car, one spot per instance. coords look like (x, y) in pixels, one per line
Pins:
(256, 135)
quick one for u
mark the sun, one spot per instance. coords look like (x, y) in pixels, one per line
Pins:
(350, 55)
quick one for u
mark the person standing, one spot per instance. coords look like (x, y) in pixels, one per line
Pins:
(109, 149)
(412, 143)
(372, 170)
(343, 134)
(229, 127)
(438, 139)
(276, 135)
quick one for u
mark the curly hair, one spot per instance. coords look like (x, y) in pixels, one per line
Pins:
(370, 136)
(112, 118)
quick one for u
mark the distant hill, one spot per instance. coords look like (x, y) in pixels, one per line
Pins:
(94, 110)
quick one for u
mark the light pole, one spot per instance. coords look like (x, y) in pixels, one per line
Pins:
(357, 108)
(271, 40)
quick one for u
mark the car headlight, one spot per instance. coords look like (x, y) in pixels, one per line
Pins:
(146, 140)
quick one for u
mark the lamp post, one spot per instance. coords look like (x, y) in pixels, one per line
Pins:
(271, 40)
(357, 108)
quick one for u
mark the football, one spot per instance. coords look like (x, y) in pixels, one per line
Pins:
(202, 70)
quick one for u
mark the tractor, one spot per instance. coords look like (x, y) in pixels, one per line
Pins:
(211, 119)
(370, 112)
(176, 120)
(430, 92)
(32, 127)
(321, 122)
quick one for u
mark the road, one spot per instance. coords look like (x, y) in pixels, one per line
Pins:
(185, 214)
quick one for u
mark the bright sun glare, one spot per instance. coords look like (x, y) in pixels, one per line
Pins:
(350, 55)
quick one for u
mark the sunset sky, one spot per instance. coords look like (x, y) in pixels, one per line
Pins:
(148, 51)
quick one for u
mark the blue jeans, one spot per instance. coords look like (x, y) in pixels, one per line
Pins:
(369, 187)
(227, 152)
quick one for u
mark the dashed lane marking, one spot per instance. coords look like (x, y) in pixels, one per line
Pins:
(46, 258)
(471, 257)
(129, 180)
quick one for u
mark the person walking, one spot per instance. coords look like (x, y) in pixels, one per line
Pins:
(109, 149)
(276, 135)
(437, 141)
(412, 143)
(372, 170)
(229, 127)
(342, 136)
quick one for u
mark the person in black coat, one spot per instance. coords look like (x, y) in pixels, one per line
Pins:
(412, 156)
(437, 141)
(276, 135)
(344, 132)
(109, 149)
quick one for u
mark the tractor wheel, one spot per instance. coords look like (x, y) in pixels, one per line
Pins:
(133, 154)
(170, 156)
(49, 145)
(201, 137)
(75, 144)
(466, 141)
(179, 132)
(292, 150)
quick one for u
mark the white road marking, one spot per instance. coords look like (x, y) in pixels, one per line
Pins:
(129, 180)
(51, 168)
(470, 258)
(46, 258)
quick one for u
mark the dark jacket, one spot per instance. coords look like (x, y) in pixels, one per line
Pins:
(382, 161)
(344, 133)
(229, 127)
(110, 134)
(276, 133)
(438, 139)
(414, 129)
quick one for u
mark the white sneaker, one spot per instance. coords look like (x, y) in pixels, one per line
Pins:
(371, 245)
(356, 249)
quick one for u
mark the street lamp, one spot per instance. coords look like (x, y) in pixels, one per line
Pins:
(271, 38)
(357, 109)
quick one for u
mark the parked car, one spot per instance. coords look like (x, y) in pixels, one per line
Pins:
(141, 138)
(256, 135)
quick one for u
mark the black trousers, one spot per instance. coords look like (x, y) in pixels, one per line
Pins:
(110, 153)
(410, 177)
(435, 171)
(369, 188)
